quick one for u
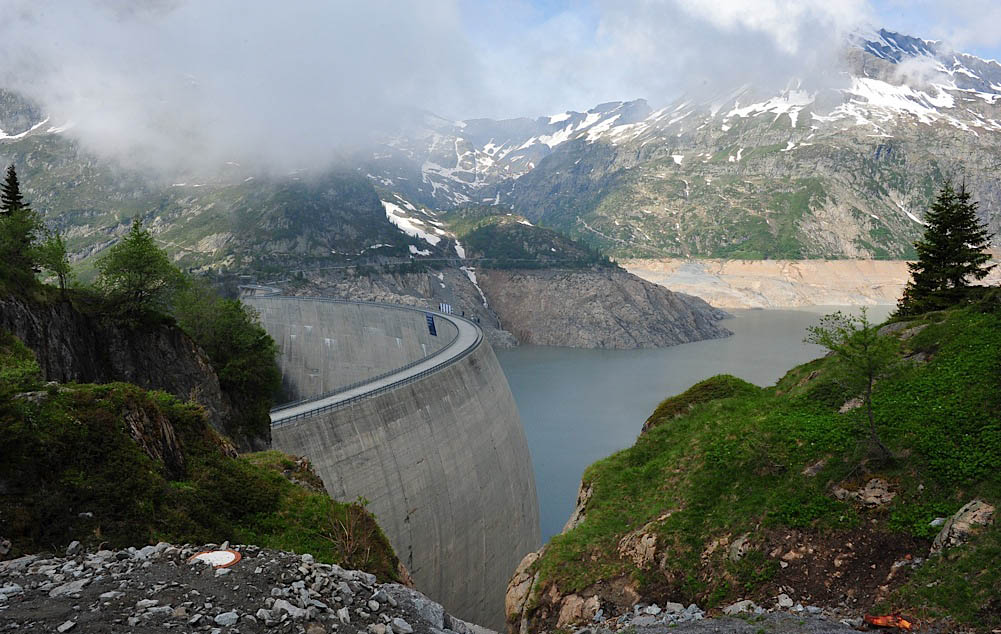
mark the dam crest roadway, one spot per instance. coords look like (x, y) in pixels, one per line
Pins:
(409, 409)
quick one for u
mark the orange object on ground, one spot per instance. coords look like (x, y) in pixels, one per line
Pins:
(889, 620)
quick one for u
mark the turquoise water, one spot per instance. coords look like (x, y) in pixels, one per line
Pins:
(579, 406)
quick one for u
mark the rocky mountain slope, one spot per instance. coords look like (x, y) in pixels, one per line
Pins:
(522, 283)
(783, 283)
(743, 499)
(115, 465)
(596, 308)
(842, 170)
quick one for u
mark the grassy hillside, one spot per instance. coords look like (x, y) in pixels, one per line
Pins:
(738, 487)
(117, 465)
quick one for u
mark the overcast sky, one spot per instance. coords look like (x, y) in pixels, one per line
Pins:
(158, 81)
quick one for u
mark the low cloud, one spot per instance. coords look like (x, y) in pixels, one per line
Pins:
(169, 84)
(183, 82)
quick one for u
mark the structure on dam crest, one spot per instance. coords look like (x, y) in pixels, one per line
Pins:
(409, 409)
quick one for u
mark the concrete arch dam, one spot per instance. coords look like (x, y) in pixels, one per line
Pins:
(420, 423)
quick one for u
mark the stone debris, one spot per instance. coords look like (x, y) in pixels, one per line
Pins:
(741, 607)
(154, 589)
(875, 493)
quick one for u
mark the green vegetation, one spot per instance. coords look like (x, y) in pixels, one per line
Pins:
(19, 370)
(138, 285)
(763, 462)
(136, 276)
(149, 468)
(54, 259)
(242, 353)
(861, 356)
(20, 228)
(508, 242)
(951, 254)
(712, 389)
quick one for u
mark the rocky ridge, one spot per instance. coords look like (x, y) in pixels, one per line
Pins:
(844, 169)
(158, 589)
(71, 345)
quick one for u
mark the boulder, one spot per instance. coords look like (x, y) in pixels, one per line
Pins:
(520, 587)
(577, 517)
(740, 607)
(957, 528)
(739, 547)
(576, 609)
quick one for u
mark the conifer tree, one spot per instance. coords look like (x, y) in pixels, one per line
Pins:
(951, 254)
(20, 227)
(10, 192)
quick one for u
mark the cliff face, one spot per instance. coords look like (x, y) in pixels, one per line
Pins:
(601, 307)
(73, 346)
(596, 308)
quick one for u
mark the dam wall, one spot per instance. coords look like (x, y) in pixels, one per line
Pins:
(436, 447)
(325, 346)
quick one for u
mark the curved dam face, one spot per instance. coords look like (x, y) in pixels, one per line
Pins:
(424, 427)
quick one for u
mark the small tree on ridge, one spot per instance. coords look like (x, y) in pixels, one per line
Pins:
(861, 357)
(136, 275)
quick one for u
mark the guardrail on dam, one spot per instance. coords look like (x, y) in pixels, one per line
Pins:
(423, 426)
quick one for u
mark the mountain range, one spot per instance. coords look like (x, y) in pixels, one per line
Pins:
(836, 169)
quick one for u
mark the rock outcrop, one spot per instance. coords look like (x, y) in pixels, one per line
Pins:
(596, 308)
(959, 527)
(72, 345)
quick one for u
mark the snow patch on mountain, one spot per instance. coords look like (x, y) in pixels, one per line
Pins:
(790, 103)
(21, 135)
(409, 225)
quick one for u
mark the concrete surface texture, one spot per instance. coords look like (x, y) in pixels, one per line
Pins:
(327, 345)
(438, 451)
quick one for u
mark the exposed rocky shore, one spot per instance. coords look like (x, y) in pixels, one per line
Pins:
(156, 589)
(599, 307)
(782, 283)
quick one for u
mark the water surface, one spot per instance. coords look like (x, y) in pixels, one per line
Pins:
(581, 405)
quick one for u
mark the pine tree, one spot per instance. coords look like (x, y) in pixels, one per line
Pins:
(951, 254)
(20, 227)
(10, 193)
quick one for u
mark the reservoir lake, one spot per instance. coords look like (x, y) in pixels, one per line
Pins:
(579, 406)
